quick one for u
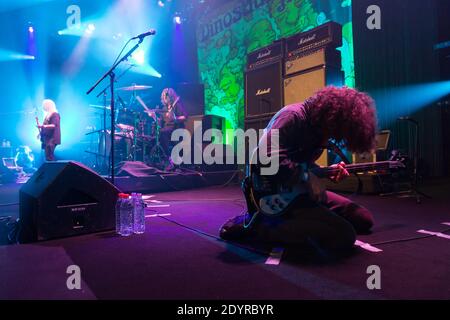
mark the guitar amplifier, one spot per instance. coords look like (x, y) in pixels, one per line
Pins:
(365, 157)
(309, 60)
(300, 87)
(208, 122)
(193, 97)
(312, 62)
(259, 122)
(382, 142)
(266, 55)
(326, 35)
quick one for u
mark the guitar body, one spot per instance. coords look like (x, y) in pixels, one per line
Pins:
(170, 109)
(272, 198)
(268, 196)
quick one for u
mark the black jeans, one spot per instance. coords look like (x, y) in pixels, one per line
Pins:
(49, 152)
(332, 225)
(165, 139)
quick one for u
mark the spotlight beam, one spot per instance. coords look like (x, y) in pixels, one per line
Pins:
(8, 55)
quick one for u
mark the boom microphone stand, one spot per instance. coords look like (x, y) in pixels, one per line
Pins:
(110, 73)
(414, 192)
(104, 131)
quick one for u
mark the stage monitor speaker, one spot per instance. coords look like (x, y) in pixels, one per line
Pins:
(263, 90)
(300, 87)
(193, 98)
(65, 199)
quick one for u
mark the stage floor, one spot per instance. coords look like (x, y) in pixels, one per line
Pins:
(174, 260)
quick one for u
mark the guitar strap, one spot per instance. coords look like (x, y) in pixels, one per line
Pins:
(334, 147)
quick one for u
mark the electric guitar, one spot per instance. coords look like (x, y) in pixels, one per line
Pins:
(39, 136)
(170, 109)
(270, 198)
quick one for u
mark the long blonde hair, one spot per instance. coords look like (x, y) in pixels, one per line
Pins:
(49, 107)
(170, 94)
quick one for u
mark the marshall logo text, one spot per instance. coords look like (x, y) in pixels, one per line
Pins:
(262, 92)
(307, 39)
(262, 55)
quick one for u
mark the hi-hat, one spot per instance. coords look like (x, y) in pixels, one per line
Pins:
(135, 88)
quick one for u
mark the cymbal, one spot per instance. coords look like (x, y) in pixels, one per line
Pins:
(124, 127)
(99, 107)
(156, 111)
(135, 88)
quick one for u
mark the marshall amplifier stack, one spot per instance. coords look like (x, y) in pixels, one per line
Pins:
(290, 71)
(264, 85)
(312, 62)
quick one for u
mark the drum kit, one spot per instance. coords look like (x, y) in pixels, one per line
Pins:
(137, 134)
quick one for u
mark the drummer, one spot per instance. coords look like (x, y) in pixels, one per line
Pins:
(174, 118)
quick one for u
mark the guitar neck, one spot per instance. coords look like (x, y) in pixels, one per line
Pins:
(360, 167)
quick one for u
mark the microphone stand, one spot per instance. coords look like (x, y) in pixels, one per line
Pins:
(110, 73)
(414, 191)
(104, 93)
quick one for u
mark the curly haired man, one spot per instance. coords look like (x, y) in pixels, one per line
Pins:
(343, 115)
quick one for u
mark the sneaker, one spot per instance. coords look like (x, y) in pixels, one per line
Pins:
(234, 229)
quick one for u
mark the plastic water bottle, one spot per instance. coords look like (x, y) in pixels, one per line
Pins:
(139, 214)
(126, 216)
(120, 198)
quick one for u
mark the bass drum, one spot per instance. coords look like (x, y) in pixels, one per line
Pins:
(122, 146)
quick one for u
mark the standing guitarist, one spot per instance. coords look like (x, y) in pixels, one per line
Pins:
(342, 114)
(50, 131)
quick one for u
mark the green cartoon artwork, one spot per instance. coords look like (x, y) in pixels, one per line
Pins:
(223, 51)
(293, 16)
(260, 35)
(346, 3)
(348, 65)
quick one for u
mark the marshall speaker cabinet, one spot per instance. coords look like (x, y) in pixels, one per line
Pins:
(312, 62)
(301, 86)
(65, 199)
(263, 81)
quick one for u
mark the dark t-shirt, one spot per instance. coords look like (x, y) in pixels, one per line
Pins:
(169, 117)
(51, 136)
(299, 141)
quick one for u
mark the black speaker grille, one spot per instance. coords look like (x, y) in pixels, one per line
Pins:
(263, 90)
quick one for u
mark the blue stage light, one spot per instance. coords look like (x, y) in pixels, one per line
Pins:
(139, 57)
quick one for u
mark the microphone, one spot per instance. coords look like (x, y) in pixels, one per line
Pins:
(408, 119)
(150, 32)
